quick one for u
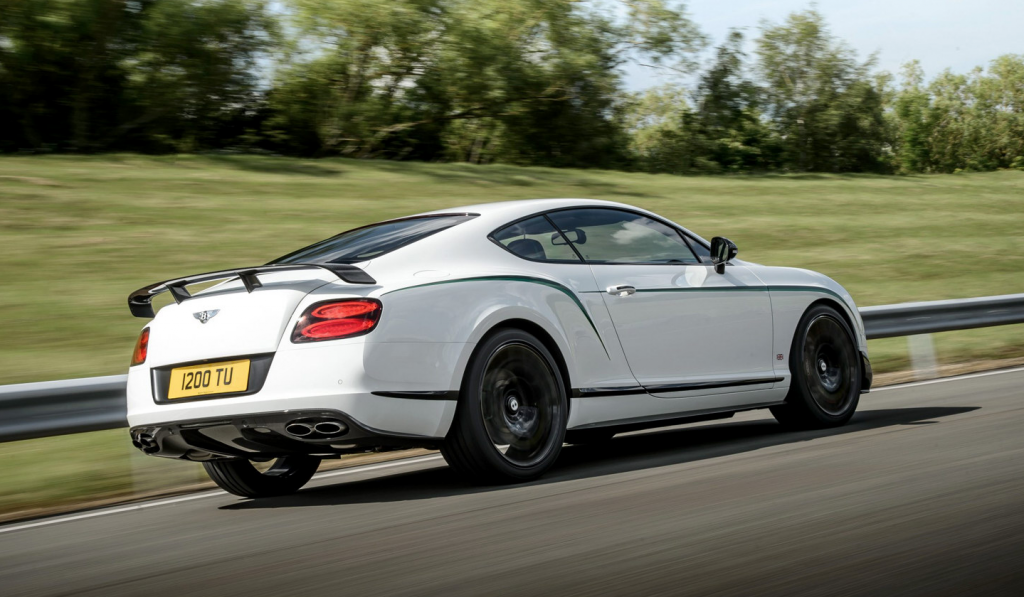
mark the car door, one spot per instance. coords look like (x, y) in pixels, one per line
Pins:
(682, 327)
(597, 364)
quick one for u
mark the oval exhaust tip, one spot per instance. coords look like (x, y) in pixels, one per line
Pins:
(298, 429)
(329, 427)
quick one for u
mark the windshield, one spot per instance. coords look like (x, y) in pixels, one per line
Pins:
(363, 244)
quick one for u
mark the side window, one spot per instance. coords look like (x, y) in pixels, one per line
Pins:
(614, 236)
(703, 252)
(535, 239)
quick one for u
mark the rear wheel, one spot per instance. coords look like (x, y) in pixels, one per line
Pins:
(243, 478)
(825, 364)
(510, 422)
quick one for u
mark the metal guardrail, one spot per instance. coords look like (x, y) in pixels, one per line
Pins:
(75, 405)
(48, 408)
(907, 319)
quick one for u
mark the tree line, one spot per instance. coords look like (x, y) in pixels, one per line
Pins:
(536, 82)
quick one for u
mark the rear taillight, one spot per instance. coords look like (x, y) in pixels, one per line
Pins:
(141, 348)
(331, 320)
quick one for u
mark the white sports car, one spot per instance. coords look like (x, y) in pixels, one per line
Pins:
(495, 333)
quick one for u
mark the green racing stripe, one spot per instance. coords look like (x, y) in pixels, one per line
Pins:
(528, 279)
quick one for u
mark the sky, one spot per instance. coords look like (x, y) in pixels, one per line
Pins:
(955, 34)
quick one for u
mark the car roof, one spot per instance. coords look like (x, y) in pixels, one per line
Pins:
(512, 210)
(495, 214)
(525, 207)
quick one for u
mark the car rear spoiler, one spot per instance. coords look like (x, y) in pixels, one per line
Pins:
(140, 301)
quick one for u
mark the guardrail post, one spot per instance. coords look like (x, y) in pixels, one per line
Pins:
(922, 356)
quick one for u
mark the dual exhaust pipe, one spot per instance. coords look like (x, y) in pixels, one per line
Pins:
(145, 442)
(316, 429)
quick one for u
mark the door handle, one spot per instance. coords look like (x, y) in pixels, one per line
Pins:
(621, 290)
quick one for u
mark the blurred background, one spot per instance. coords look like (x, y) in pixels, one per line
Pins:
(621, 84)
(147, 139)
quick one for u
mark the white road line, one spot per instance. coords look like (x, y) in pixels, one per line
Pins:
(206, 494)
(372, 467)
(929, 382)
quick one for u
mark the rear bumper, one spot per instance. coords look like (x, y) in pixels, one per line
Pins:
(267, 435)
(341, 377)
(428, 417)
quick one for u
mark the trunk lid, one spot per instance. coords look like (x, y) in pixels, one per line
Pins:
(237, 322)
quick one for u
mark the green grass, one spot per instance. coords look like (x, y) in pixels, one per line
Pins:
(77, 234)
(58, 471)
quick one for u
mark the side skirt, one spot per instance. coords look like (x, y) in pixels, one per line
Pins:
(636, 424)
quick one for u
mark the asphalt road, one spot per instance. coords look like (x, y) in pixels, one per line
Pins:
(923, 493)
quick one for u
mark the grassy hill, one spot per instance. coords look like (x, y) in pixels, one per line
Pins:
(77, 234)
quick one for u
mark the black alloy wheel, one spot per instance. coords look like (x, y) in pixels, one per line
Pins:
(830, 364)
(510, 422)
(825, 364)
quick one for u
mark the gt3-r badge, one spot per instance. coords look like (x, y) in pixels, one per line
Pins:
(204, 316)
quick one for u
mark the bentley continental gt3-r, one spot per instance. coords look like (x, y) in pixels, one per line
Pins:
(495, 333)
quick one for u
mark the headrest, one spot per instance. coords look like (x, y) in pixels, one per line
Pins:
(528, 248)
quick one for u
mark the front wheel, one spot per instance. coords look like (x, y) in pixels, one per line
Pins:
(241, 477)
(825, 364)
(510, 421)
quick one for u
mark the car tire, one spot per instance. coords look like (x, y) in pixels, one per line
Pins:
(240, 477)
(826, 373)
(510, 421)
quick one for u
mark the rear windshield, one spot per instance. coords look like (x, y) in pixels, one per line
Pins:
(363, 244)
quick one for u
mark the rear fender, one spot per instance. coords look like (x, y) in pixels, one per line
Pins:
(465, 311)
(500, 317)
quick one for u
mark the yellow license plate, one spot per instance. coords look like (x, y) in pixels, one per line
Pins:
(214, 378)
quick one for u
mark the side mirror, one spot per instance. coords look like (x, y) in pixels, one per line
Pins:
(723, 251)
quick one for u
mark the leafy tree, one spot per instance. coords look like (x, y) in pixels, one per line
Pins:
(728, 115)
(724, 131)
(59, 66)
(999, 100)
(194, 76)
(529, 81)
(972, 121)
(83, 74)
(656, 123)
(516, 81)
(820, 100)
